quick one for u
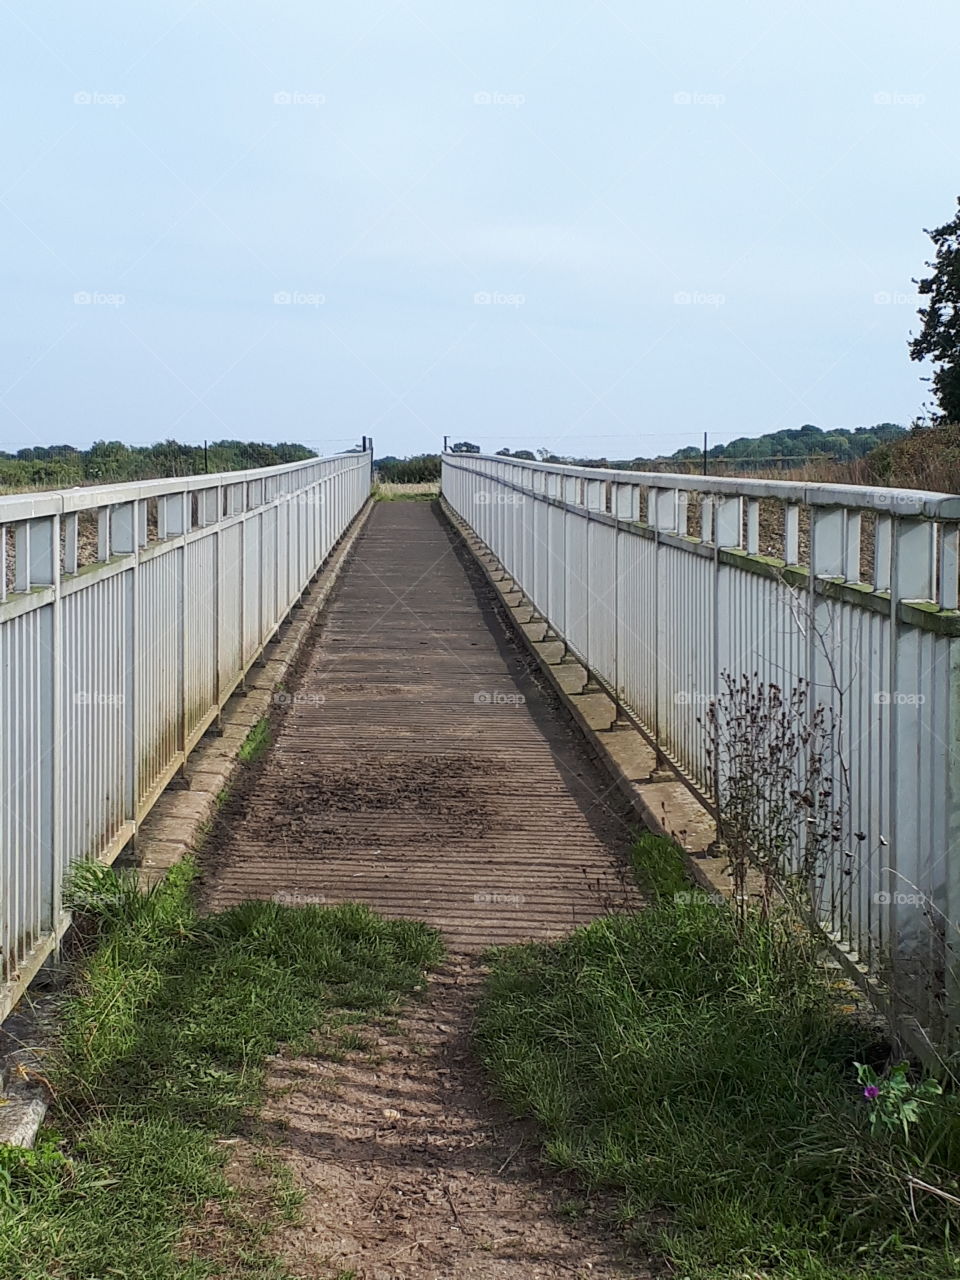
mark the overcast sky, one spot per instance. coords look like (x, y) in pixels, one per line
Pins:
(598, 227)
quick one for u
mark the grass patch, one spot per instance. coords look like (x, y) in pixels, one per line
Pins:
(703, 1074)
(163, 1047)
(256, 742)
(659, 866)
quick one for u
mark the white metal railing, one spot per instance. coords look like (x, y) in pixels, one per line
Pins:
(128, 615)
(661, 583)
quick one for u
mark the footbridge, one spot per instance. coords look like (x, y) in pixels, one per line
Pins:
(420, 760)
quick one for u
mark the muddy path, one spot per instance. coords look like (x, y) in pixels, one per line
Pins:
(410, 1172)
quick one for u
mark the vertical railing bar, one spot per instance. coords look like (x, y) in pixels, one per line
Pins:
(71, 543)
(791, 533)
(753, 526)
(21, 556)
(949, 565)
(851, 547)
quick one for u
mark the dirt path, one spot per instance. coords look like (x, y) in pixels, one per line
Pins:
(411, 1173)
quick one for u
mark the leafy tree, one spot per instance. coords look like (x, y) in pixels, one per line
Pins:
(939, 339)
(465, 447)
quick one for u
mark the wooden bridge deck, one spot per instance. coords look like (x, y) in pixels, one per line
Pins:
(418, 765)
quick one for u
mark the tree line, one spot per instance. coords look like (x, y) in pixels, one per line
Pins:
(775, 448)
(61, 466)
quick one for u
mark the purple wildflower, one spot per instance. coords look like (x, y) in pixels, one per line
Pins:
(872, 1092)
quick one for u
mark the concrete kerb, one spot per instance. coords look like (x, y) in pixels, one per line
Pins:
(172, 828)
(181, 815)
(661, 800)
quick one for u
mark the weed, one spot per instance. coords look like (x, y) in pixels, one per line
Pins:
(772, 761)
(896, 1098)
(354, 1042)
(572, 1209)
(256, 742)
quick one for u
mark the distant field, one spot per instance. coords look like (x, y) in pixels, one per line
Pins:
(394, 491)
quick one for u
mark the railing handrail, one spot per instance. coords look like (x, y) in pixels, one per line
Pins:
(50, 502)
(918, 502)
(856, 621)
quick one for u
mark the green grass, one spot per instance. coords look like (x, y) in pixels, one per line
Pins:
(659, 867)
(256, 742)
(702, 1075)
(164, 1040)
